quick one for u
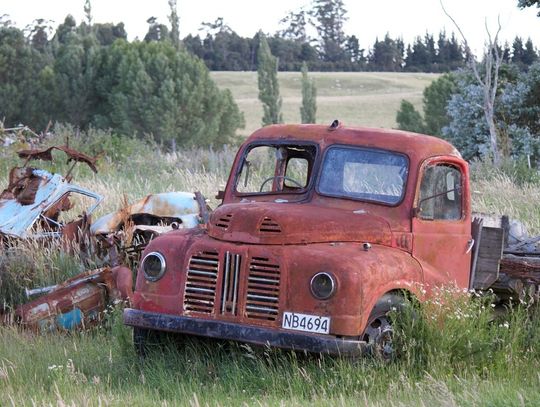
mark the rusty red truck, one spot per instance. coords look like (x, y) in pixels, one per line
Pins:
(322, 231)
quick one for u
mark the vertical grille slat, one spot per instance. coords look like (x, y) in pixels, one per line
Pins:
(230, 285)
(262, 298)
(201, 279)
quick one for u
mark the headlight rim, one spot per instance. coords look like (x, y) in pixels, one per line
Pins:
(162, 270)
(332, 280)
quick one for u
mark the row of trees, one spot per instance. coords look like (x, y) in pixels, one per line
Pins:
(331, 49)
(226, 51)
(89, 75)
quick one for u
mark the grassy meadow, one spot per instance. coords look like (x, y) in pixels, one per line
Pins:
(356, 98)
(455, 354)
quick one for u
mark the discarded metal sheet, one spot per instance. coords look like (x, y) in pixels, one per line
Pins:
(77, 303)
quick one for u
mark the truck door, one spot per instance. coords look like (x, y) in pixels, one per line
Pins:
(441, 222)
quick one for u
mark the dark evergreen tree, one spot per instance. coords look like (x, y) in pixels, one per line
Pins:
(386, 55)
(530, 55)
(268, 83)
(518, 51)
(152, 88)
(417, 59)
(408, 118)
(435, 99)
(308, 110)
(156, 31)
(107, 33)
(25, 74)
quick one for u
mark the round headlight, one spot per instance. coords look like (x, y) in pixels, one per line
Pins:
(154, 266)
(323, 285)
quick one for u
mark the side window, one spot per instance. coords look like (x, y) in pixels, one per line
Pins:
(283, 168)
(440, 193)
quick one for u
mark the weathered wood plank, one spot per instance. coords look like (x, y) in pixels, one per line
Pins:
(489, 255)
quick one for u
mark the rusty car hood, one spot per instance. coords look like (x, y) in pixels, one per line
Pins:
(179, 205)
(290, 223)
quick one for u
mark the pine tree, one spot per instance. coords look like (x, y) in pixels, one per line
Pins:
(308, 110)
(268, 83)
(408, 118)
(529, 53)
(517, 51)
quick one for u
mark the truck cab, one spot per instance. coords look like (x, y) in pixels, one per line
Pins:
(321, 231)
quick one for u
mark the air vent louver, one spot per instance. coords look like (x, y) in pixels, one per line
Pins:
(269, 226)
(223, 222)
(263, 289)
(200, 292)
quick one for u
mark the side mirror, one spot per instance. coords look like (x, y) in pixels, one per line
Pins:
(220, 195)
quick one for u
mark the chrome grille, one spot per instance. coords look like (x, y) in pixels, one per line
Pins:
(230, 283)
(200, 291)
(262, 300)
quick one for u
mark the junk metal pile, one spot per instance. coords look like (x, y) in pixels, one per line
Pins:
(41, 206)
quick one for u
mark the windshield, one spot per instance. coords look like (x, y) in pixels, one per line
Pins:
(365, 174)
(279, 169)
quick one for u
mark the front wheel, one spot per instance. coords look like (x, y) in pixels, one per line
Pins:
(145, 340)
(379, 332)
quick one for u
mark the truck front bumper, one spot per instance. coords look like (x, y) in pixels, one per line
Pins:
(245, 333)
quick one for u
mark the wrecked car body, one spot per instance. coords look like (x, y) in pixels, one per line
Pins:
(36, 203)
(159, 212)
(126, 232)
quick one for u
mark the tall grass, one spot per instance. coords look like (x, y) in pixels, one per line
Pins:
(453, 354)
(454, 351)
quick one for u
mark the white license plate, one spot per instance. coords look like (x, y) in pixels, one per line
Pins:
(306, 323)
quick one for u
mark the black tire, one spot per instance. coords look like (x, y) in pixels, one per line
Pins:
(146, 340)
(379, 330)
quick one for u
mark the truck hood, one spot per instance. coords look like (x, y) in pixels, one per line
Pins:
(294, 223)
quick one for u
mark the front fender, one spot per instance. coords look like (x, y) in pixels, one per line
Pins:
(362, 277)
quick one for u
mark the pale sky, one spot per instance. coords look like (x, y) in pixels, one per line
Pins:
(367, 19)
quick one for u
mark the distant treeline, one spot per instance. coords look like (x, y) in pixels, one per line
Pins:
(315, 35)
(227, 51)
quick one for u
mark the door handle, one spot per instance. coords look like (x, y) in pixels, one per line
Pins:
(470, 245)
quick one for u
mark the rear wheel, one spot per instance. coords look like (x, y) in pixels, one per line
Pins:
(379, 331)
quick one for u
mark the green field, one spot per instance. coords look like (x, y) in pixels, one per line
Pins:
(368, 99)
(456, 356)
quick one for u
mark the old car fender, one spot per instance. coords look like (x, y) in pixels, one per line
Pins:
(397, 271)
